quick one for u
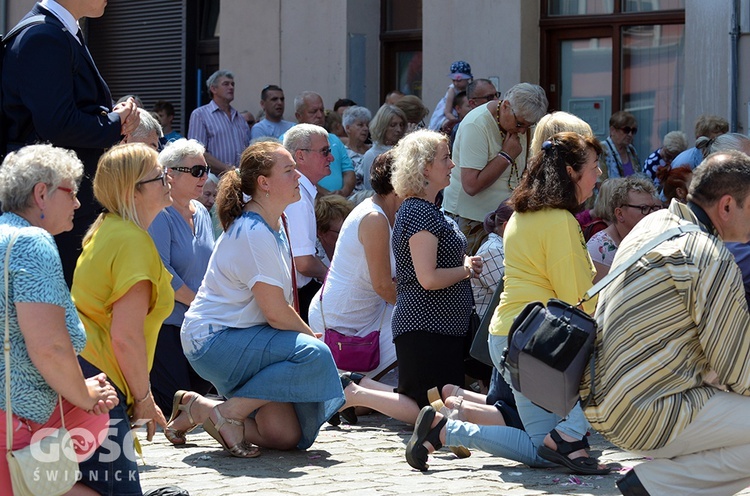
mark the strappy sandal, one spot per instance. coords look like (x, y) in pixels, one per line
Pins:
(583, 465)
(454, 414)
(416, 452)
(241, 449)
(175, 436)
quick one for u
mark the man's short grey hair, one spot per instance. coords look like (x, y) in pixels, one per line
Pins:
(31, 165)
(471, 89)
(147, 125)
(300, 100)
(722, 173)
(301, 135)
(178, 150)
(529, 101)
(213, 78)
(356, 114)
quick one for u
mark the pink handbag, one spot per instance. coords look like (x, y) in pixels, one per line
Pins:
(353, 353)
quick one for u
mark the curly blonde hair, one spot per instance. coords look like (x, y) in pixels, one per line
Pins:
(412, 153)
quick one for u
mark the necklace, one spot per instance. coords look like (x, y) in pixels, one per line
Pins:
(497, 119)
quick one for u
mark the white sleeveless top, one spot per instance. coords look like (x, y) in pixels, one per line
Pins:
(350, 304)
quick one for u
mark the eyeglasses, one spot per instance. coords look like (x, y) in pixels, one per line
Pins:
(489, 97)
(195, 170)
(73, 193)
(161, 177)
(323, 151)
(645, 209)
(519, 124)
(629, 130)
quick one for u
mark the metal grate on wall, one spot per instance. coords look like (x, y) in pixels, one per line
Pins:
(139, 48)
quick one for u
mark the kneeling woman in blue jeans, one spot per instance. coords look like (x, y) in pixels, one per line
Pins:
(242, 332)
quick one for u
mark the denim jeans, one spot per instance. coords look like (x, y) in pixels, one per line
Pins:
(509, 442)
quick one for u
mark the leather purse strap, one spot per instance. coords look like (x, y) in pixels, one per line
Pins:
(6, 353)
(295, 295)
(645, 249)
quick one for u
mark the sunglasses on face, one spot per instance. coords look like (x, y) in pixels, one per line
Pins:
(519, 124)
(324, 151)
(487, 98)
(629, 130)
(195, 170)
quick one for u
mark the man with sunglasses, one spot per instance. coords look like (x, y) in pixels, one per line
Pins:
(311, 151)
(491, 157)
(620, 158)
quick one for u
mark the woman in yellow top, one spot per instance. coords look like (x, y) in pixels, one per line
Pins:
(123, 294)
(545, 257)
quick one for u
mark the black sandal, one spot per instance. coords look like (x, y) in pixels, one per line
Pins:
(583, 465)
(350, 415)
(416, 453)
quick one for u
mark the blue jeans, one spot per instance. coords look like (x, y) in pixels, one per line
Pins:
(112, 470)
(509, 442)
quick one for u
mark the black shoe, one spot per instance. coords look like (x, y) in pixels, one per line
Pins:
(630, 485)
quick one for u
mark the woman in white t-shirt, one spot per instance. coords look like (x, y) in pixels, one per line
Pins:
(242, 332)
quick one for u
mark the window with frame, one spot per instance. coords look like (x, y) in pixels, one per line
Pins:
(601, 56)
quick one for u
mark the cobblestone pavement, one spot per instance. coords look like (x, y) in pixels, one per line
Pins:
(362, 460)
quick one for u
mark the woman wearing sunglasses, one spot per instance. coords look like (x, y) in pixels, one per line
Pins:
(620, 158)
(184, 237)
(123, 294)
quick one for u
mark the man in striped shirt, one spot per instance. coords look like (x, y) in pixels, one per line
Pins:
(218, 126)
(672, 368)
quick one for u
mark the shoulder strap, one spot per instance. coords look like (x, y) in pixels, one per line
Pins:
(25, 23)
(6, 350)
(665, 236)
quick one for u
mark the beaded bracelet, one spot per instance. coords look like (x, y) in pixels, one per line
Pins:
(506, 157)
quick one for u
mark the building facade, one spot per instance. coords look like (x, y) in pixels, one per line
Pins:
(667, 61)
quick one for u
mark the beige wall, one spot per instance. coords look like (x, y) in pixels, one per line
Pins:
(298, 44)
(499, 38)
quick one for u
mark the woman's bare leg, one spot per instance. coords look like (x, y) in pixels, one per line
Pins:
(275, 426)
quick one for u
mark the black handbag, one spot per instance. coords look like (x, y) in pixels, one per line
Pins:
(549, 347)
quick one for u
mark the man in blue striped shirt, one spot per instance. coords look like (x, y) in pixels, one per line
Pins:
(218, 126)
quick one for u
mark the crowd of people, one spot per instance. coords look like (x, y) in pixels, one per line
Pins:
(224, 278)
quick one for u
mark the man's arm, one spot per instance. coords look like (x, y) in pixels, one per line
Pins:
(217, 166)
(311, 266)
(475, 181)
(44, 61)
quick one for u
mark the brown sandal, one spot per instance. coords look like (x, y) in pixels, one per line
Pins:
(241, 449)
(175, 436)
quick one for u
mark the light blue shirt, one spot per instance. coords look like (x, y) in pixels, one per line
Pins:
(185, 255)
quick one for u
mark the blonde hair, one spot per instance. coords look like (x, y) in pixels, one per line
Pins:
(412, 153)
(118, 173)
(603, 201)
(557, 122)
(329, 208)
